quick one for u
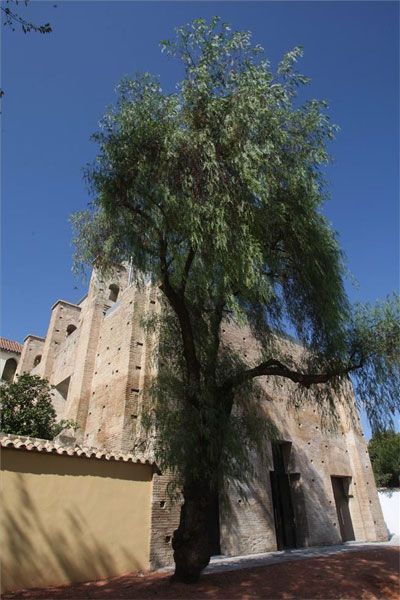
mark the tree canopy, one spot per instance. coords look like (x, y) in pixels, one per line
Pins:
(215, 192)
(384, 450)
(27, 409)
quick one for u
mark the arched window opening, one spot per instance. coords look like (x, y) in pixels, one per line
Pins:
(37, 360)
(9, 370)
(114, 291)
(70, 329)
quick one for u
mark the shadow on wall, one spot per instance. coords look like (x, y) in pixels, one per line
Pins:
(321, 525)
(47, 558)
(248, 524)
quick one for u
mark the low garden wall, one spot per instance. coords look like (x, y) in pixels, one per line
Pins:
(71, 515)
(390, 503)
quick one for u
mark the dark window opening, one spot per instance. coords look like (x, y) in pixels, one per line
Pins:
(9, 370)
(70, 329)
(62, 387)
(37, 360)
(114, 291)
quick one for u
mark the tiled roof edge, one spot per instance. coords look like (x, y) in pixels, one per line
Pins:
(10, 345)
(31, 444)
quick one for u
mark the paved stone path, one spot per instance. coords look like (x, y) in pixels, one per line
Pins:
(349, 572)
(218, 564)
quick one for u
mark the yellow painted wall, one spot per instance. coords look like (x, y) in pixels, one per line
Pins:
(68, 519)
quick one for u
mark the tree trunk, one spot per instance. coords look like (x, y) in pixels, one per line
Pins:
(195, 539)
(191, 541)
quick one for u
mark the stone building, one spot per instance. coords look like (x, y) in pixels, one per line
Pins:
(317, 487)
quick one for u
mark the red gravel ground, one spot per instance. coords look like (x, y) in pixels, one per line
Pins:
(366, 575)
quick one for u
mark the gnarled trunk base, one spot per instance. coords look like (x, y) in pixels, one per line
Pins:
(191, 541)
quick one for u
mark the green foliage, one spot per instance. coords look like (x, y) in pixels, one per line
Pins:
(26, 408)
(229, 167)
(201, 440)
(374, 344)
(215, 193)
(384, 450)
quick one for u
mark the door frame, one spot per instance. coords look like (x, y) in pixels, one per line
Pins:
(340, 488)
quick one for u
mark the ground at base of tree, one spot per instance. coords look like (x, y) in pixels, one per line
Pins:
(365, 575)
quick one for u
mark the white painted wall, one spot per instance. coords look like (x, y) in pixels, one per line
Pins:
(390, 503)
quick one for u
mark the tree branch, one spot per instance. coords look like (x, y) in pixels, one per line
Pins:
(12, 17)
(186, 269)
(277, 368)
(218, 316)
(177, 303)
(136, 210)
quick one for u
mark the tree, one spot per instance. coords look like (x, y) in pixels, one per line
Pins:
(214, 192)
(384, 450)
(27, 409)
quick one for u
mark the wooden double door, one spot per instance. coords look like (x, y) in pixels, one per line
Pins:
(290, 516)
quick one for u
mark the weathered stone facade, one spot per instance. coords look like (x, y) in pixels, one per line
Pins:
(99, 359)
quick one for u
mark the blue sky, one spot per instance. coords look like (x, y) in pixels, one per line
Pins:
(57, 86)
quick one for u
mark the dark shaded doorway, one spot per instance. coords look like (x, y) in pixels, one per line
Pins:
(214, 527)
(341, 487)
(285, 526)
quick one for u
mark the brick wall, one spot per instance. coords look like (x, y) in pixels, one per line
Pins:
(109, 360)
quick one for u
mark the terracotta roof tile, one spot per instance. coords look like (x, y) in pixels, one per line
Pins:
(19, 442)
(10, 345)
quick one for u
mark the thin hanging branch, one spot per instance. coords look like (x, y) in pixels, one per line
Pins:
(13, 19)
